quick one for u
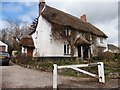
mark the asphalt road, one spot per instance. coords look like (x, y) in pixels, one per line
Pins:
(14, 76)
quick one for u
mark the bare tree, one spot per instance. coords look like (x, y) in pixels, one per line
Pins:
(3, 34)
(13, 33)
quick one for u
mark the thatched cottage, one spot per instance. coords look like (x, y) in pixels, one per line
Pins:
(27, 46)
(60, 35)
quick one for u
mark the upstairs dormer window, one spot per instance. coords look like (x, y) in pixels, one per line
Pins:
(67, 32)
(87, 36)
(101, 40)
(90, 37)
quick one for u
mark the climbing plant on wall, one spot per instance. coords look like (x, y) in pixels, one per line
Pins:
(59, 33)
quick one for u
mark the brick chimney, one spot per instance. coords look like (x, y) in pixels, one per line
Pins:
(41, 6)
(83, 18)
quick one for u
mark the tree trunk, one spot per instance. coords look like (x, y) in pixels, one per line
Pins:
(72, 51)
(72, 47)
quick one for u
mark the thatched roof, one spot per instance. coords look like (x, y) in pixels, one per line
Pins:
(27, 42)
(81, 41)
(56, 16)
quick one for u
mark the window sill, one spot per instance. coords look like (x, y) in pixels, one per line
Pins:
(102, 42)
(67, 54)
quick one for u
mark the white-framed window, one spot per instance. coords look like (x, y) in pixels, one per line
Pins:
(36, 34)
(50, 40)
(67, 32)
(90, 37)
(66, 49)
(101, 40)
(36, 51)
(24, 50)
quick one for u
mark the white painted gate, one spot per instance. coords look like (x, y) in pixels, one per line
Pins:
(100, 75)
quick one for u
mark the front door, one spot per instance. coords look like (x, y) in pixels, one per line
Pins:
(85, 52)
(79, 51)
(30, 52)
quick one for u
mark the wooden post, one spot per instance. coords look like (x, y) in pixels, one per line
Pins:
(100, 75)
(91, 47)
(89, 52)
(101, 72)
(55, 77)
(81, 52)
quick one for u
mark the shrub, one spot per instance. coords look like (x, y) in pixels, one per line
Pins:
(117, 56)
(108, 55)
(98, 58)
(14, 60)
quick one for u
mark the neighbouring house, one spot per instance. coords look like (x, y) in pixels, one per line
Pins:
(60, 35)
(27, 46)
(3, 47)
(114, 49)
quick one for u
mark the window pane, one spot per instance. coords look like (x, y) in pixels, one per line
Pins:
(101, 40)
(64, 49)
(67, 32)
(67, 49)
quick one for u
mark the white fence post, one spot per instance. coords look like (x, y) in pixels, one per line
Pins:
(55, 77)
(100, 75)
(101, 72)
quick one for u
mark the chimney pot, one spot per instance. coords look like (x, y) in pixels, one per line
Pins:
(41, 5)
(83, 18)
(41, 0)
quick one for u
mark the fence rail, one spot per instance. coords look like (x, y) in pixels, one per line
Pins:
(100, 75)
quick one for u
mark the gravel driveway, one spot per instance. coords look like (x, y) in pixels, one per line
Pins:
(18, 77)
(14, 76)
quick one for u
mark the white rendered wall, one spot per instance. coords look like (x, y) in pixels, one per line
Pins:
(98, 43)
(6, 48)
(45, 45)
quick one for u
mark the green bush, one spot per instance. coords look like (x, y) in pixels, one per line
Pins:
(108, 56)
(14, 60)
(98, 58)
(117, 56)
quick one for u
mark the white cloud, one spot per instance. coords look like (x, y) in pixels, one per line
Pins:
(82, 0)
(30, 15)
(27, 4)
(13, 7)
(111, 29)
(33, 12)
(25, 19)
(61, 0)
(3, 24)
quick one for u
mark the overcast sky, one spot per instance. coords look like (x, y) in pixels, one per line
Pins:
(103, 14)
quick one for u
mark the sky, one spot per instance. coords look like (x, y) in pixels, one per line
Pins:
(101, 13)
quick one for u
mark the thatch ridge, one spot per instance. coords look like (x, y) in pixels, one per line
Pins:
(59, 17)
